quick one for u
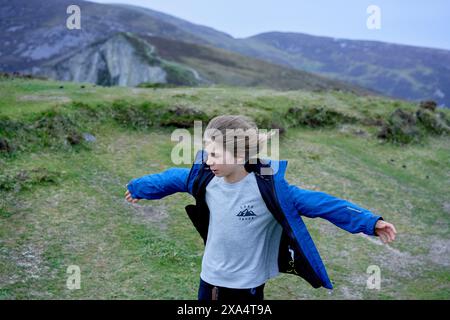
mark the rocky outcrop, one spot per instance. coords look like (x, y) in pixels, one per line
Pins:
(123, 59)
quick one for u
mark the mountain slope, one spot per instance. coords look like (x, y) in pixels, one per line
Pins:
(37, 40)
(397, 70)
(35, 32)
(128, 60)
(47, 47)
(224, 67)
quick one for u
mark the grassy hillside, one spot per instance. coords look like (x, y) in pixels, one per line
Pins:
(223, 67)
(62, 197)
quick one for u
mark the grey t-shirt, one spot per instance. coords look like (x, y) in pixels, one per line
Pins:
(243, 236)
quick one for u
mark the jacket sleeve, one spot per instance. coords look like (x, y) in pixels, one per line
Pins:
(159, 185)
(341, 213)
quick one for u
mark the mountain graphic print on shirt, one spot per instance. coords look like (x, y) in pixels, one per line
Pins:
(246, 213)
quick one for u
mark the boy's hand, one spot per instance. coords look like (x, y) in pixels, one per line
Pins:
(129, 198)
(385, 230)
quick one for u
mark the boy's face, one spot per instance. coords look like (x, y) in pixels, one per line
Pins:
(221, 162)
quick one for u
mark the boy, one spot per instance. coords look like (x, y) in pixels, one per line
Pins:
(249, 216)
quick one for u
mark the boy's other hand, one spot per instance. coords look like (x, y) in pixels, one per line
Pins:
(385, 230)
(129, 198)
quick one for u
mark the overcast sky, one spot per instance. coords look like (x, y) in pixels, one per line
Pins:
(415, 22)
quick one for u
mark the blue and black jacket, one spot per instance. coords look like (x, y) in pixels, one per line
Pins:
(298, 254)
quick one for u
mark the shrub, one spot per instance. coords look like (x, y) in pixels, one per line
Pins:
(181, 117)
(405, 127)
(400, 127)
(433, 122)
(315, 117)
(141, 116)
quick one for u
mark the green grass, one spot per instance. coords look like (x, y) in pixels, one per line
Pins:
(151, 250)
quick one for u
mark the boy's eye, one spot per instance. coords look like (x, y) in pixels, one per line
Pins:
(213, 154)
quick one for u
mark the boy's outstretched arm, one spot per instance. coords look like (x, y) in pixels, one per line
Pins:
(157, 185)
(342, 213)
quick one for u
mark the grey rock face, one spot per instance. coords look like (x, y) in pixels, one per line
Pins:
(121, 60)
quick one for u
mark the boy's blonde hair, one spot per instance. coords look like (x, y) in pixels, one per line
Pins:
(239, 135)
